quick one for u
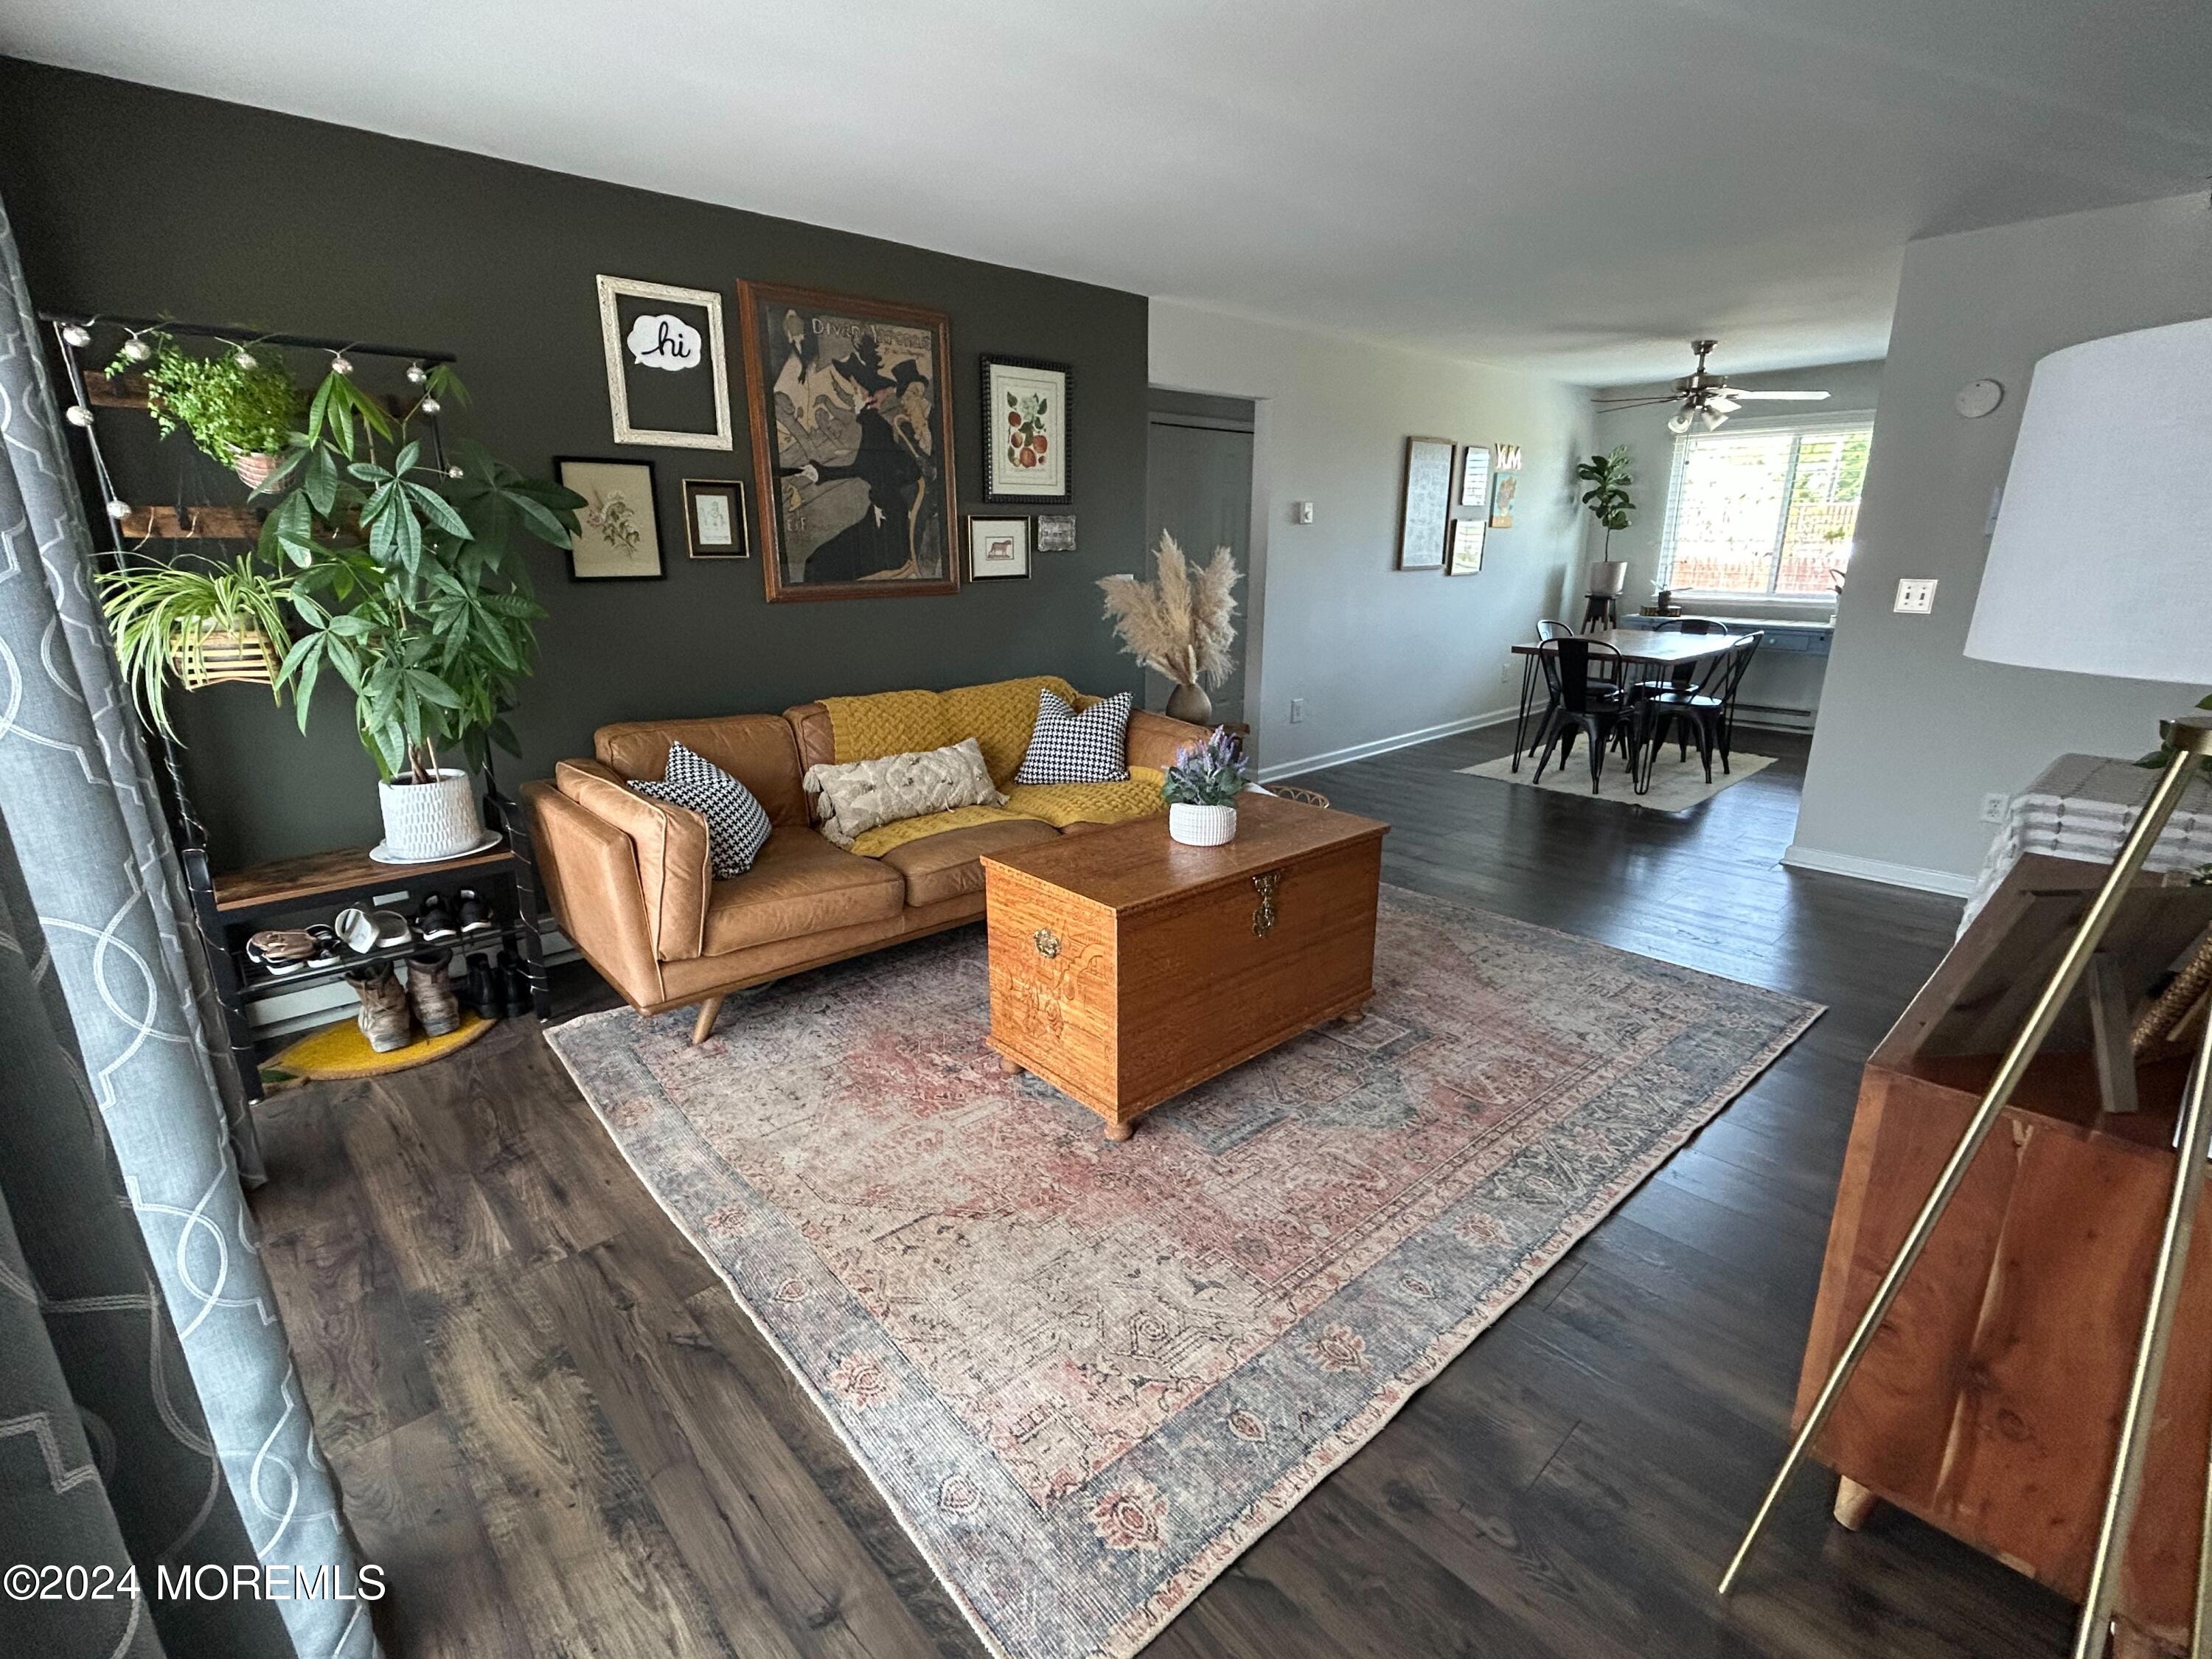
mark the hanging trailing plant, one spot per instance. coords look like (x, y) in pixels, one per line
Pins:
(240, 407)
(199, 621)
(1607, 497)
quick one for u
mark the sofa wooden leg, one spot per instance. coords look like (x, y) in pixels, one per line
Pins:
(1854, 1504)
(705, 1027)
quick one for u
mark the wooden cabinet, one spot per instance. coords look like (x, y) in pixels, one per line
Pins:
(1989, 1404)
(1127, 967)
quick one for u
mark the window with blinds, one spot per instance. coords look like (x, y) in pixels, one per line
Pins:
(1768, 512)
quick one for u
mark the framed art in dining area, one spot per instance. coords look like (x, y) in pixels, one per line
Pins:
(668, 381)
(997, 548)
(1503, 488)
(1466, 556)
(618, 532)
(1026, 428)
(714, 518)
(852, 439)
(1425, 505)
(1474, 475)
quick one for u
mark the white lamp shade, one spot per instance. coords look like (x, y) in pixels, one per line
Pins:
(2101, 562)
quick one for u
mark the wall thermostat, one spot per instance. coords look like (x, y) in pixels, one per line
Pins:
(1977, 398)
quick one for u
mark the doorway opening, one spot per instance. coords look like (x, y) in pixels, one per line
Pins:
(1198, 490)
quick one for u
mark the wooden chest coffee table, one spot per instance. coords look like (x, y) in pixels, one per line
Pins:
(1126, 968)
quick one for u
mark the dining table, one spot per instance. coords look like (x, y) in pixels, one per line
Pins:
(1669, 649)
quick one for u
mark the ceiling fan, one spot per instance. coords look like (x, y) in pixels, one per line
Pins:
(1705, 395)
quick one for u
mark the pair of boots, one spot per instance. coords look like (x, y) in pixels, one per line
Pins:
(495, 989)
(385, 1004)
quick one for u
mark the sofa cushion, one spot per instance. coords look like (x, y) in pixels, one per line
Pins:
(737, 826)
(758, 750)
(857, 796)
(1061, 804)
(880, 840)
(798, 885)
(1091, 747)
(944, 866)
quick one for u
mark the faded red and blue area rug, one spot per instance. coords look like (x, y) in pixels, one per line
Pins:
(1087, 1375)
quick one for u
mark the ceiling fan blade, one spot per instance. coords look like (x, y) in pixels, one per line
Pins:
(1778, 397)
(1722, 403)
(1608, 404)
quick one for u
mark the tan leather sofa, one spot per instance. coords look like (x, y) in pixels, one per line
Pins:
(628, 879)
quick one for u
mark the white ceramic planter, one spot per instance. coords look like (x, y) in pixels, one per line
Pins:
(434, 820)
(1201, 826)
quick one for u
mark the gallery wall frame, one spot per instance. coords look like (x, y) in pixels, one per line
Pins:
(649, 331)
(618, 527)
(849, 400)
(1028, 431)
(1425, 502)
(714, 525)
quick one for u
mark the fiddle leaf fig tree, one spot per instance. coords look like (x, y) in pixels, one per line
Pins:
(1607, 497)
(406, 580)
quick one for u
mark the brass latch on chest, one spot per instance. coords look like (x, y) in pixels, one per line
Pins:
(1264, 883)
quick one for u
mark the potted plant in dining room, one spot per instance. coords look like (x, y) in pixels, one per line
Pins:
(1200, 789)
(405, 582)
(1609, 503)
(239, 405)
(1179, 624)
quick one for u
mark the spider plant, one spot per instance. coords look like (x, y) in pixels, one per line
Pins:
(199, 620)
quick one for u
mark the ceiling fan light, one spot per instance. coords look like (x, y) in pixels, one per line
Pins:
(1713, 418)
(1679, 423)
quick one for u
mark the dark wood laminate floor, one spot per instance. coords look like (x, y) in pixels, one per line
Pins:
(560, 1435)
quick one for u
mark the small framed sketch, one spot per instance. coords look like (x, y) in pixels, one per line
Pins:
(1474, 475)
(997, 547)
(667, 376)
(1425, 506)
(1055, 533)
(1503, 488)
(1025, 431)
(1466, 556)
(617, 534)
(714, 518)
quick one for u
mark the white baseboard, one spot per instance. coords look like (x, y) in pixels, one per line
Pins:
(1384, 745)
(1882, 870)
(321, 1005)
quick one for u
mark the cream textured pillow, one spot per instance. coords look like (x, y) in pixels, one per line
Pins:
(851, 799)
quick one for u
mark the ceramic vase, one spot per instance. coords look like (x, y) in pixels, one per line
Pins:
(427, 821)
(1201, 826)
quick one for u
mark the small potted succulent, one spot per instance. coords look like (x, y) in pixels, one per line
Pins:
(241, 408)
(1202, 788)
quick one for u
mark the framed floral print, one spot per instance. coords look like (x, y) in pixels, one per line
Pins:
(852, 438)
(714, 518)
(1025, 431)
(617, 534)
(668, 378)
(997, 547)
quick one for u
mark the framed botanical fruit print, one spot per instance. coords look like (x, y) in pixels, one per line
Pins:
(852, 439)
(1025, 431)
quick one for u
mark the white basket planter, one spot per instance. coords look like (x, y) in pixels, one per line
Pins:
(1201, 826)
(433, 820)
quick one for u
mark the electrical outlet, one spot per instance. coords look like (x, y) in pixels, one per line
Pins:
(1994, 806)
(1916, 595)
(1297, 711)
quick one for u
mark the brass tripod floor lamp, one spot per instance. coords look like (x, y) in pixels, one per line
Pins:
(2117, 586)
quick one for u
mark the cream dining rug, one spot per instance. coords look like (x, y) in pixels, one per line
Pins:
(1087, 1375)
(1677, 784)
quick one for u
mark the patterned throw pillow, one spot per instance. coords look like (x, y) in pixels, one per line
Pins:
(736, 825)
(856, 797)
(1092, 747)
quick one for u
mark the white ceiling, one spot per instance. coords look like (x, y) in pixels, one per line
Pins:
(1574, 186)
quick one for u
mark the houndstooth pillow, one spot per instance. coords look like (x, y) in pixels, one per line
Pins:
(736, 825)
(1066, 747)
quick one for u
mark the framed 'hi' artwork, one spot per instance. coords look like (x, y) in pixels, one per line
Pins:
(852, 438)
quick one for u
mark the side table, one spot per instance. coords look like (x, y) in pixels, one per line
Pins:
(233, 907)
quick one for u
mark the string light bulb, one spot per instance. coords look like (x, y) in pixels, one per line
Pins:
(118, 509)
(429, 406)
(136, 350)
(417, 374)
(455, 472)
(340, 363)
(245, 360)
(76, 336)
(77, 414)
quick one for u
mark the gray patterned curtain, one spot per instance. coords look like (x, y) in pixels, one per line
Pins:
(100, 878)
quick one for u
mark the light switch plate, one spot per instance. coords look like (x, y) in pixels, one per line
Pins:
(1916, 595)
(1301, 512)
(1297, 711)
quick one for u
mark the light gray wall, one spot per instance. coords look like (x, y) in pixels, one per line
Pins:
(1377, 653)
(1913, 734)
(1779, 681)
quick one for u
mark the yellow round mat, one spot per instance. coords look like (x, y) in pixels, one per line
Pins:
(341, 1051)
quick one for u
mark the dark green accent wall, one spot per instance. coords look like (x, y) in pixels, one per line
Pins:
(131, 200)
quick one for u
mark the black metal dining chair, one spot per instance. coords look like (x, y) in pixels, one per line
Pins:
(1702, 711)
(1583, 678)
